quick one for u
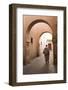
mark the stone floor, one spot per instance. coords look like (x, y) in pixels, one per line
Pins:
(39, 66)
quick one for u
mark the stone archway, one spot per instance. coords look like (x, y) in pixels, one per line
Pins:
(45, 39)
(36, 21)
(42, 35)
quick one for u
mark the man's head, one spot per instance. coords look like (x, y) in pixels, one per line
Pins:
(46, 45)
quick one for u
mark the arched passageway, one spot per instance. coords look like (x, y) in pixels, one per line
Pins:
(46, 39)
(38, 34)
(33, 39)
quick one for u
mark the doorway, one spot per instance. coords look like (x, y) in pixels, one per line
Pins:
(46, 39)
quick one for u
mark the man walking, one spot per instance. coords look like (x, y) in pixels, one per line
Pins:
(46, 54)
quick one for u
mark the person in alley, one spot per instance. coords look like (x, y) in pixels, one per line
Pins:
(46, 54)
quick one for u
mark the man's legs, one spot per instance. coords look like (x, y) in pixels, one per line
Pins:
(47, 59)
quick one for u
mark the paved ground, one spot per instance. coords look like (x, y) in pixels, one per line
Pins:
(38, 66)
